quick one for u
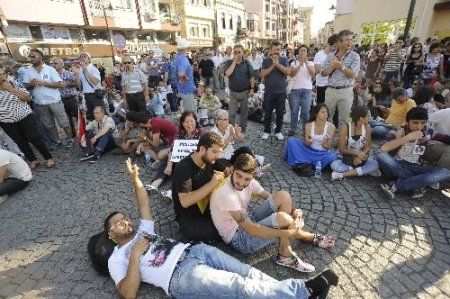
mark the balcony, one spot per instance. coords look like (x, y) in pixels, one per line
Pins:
(171, 22)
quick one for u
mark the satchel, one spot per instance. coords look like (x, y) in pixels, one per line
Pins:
(99, 93)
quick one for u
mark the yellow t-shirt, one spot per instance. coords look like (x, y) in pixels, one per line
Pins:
(397, 114)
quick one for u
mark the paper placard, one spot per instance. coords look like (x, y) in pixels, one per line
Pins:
(182, 148)
(202, 113)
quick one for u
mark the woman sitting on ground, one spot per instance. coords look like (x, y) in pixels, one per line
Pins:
(227, 132)
(303, 155)
(354, 143)
(189, 129)
(424, 98)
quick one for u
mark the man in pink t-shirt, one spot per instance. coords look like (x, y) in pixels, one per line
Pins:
(249, 231)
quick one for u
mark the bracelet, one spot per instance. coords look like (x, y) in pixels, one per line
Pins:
(343, 68)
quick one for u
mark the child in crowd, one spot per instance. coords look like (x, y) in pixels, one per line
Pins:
(156, 105)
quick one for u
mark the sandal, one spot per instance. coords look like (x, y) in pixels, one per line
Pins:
(323, 241)
(34, 164)
(294, 262)
(50, 163)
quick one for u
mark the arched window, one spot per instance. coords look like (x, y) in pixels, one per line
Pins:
(224, 25)
(239, 22)
(231, 22)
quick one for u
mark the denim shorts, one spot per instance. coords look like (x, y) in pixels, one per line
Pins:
(265, 215)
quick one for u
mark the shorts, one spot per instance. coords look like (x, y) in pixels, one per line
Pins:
(49, 112)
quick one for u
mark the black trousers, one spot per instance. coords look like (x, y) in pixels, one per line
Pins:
(91, 102)
(12, 185)
(153, 81)
(198, 229)
(321, 94)
(71, 108)
(24, 132)
(278, 102)
(136, 102)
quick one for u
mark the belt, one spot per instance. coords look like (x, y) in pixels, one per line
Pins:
(340, 87)
(183, 256)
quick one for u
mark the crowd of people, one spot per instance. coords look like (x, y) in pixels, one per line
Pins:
(339, 99)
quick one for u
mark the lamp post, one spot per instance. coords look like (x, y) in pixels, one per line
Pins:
(412, 5)
(107, 28)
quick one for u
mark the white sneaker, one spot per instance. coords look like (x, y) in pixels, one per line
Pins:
(336, 176)
(435, 186)
(265, 136)
(279, 136)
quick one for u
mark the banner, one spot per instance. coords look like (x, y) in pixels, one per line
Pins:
(183, 148)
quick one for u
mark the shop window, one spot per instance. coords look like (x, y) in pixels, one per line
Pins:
(129, 35)
(163, 36)
(74, 34)
(36, 33)
(145, 37)
(97, 35)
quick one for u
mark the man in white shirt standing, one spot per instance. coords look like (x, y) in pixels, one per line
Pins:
(217, 60)
(322, 81)
(44, 83)
(256, 61)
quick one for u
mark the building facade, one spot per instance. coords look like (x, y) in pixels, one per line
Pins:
(198, 24)
(431, 18)
(231, 23)
(304, 14)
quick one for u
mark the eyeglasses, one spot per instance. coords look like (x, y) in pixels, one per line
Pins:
(127, 62)
(377, 82)
(121, 223)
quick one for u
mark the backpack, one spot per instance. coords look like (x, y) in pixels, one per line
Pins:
(100, 248)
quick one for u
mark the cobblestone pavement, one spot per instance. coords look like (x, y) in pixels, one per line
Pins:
(384, 249)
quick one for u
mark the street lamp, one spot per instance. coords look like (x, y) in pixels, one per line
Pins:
(110, 8)
(412, 4)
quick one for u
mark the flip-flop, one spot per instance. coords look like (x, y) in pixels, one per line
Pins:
(33, 165)
(50, 163)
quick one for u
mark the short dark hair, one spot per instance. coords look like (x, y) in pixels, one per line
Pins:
(137, 117)
(38, 51)
(209, 139)
(181, 129)
(433, 46)
(359, 112)
(239, 46)
(343, 33)
(275, 43)
(246, 163)
(417, 113)
(101, 108)
(332, 40)
(424, 95)
(316, 110)
(303, 46)
(106, 225)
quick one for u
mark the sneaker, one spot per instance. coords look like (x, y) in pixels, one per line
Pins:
(323, 241)
(86, 157)
(148, 159)
(167, 193)
(94, 159)
(3, 198)
(265, 136)
(279, 136)
(435, 186)
(69, 143)
(291, 133)
(263, 170)
(418, 193)
(294, 262)
(389, 189)
(336, 176)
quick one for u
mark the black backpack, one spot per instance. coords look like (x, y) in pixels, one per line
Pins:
(100, 248)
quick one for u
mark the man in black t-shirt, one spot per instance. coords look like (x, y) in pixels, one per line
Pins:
(193, 181)
(206, 67)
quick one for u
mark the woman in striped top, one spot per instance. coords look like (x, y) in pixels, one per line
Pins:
(17, 120)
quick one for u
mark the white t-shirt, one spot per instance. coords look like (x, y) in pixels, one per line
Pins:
(440, 121)
(87, 88)
(225, 199)
(15, 166)
(319, 59)
(229, 150)
(156, 266)
(43, 95)
(302, 78)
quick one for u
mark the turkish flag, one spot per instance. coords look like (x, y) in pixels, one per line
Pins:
(81, 129)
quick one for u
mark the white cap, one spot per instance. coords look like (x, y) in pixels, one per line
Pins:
(182, 43)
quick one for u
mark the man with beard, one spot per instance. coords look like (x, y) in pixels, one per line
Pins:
(274, 219)
(193, 180)
(190, 271)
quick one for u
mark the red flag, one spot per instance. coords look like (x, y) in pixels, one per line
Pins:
(81, 129)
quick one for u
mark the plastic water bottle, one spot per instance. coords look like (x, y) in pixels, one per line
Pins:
(318, 173)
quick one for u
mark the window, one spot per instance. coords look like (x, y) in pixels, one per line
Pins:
(122, 4)
(239, 22)
(205, 31)
(251, 25)
(143, 37)
(267, 7)
(96, 35)
(74, 34)
(231, 22)
(193, 29)
(36, 33)
(273, 27)
(267, 25)
(163, 36)
(224, 25)
(129, 35)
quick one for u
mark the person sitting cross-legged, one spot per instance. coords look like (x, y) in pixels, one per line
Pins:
(15, 174)
(187, 270)
(275, 219)
(99, 137)
(408, 144)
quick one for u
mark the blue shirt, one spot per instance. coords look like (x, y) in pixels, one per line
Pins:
(275, 82)
(182, 64)
(43, 95)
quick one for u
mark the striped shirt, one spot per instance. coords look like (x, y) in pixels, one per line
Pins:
(134, 82)
(13, 109)
(394, 61)
(67, 78)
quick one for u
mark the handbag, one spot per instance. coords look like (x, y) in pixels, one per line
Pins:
(99, 93)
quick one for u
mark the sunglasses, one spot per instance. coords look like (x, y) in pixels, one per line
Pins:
(377, 82)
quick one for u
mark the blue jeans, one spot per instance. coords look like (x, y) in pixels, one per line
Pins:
(208, 272)
(370, 166)
(300, 98)
(103, 143)
(380, 129)
(263, 215)
(272, 101)
(411, 176)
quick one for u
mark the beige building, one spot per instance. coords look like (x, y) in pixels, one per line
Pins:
(231, 23)
(371, 24)
(199, 22)
(305, 15)
(253, 26)
(325, 32)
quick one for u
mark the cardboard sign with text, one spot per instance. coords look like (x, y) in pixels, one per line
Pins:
(182, 148)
